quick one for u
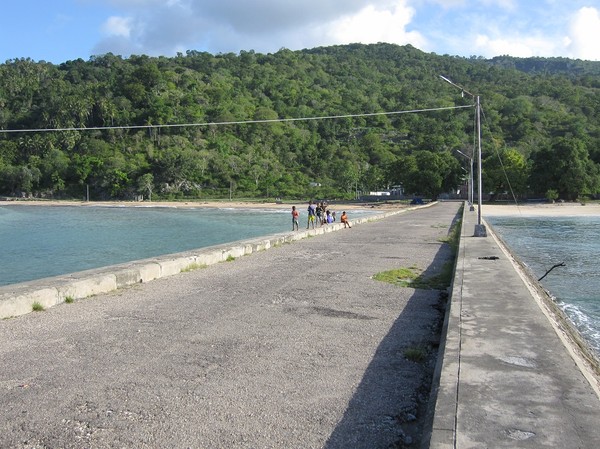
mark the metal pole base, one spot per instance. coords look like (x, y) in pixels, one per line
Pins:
(480, 231)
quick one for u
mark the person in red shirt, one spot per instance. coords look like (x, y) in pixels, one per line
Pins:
(295, 217)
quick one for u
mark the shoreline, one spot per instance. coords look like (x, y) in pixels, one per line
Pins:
(496, 210)
(541, 210)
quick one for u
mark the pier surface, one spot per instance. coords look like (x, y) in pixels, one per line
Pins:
(299, 347)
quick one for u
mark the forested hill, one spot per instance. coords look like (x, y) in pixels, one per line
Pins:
(540, 124)
(585, 72)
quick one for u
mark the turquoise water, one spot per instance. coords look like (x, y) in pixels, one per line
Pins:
(42, 241)
(542, 242)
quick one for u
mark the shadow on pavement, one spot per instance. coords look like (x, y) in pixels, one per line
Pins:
(388, 409)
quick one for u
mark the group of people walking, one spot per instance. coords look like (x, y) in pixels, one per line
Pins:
(318, 213)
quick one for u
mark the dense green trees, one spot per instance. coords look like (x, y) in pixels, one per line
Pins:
(541, 127)
(427, 173)
(507, 173)
(566, 168)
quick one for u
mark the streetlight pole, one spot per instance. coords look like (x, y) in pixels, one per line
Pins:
(480, 230)
(470, 186)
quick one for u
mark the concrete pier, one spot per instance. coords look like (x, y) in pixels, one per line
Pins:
(295, 346)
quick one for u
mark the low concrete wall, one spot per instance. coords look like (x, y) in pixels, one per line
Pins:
(18, 299)
(439, 432)
(467, 335)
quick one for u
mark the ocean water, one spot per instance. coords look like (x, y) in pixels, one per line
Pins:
(42, 241)
(541, 243)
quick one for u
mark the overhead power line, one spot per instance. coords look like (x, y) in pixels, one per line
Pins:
(241, 122)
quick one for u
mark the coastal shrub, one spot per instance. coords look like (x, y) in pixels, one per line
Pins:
(551, 195)
(230, 258)
(69, 300)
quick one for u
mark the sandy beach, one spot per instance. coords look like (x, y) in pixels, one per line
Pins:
(204, 203)
(541, 210)
(496, 210)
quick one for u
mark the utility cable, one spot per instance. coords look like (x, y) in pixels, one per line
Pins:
(241, 122)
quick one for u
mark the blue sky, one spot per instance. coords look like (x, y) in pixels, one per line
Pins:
(62, 30)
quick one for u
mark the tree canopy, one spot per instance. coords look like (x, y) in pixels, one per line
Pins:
(117, 132)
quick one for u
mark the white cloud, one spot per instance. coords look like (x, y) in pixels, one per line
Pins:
(117, 26)
(519, 46)
(164, 27)
(465, 27)
(584, 34)
(533, 33)
(375, 24)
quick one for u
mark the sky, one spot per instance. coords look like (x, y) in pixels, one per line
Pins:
(61, 30)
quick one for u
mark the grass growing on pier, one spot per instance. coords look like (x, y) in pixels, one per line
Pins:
(453, 237)
(37, 307)
(414, 278)
(194, 266)
(403, 277)
(416, 354)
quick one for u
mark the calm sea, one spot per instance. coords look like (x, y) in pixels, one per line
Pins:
(541, 243)
(42, 241)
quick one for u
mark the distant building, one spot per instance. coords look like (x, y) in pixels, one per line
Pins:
(395, 193)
